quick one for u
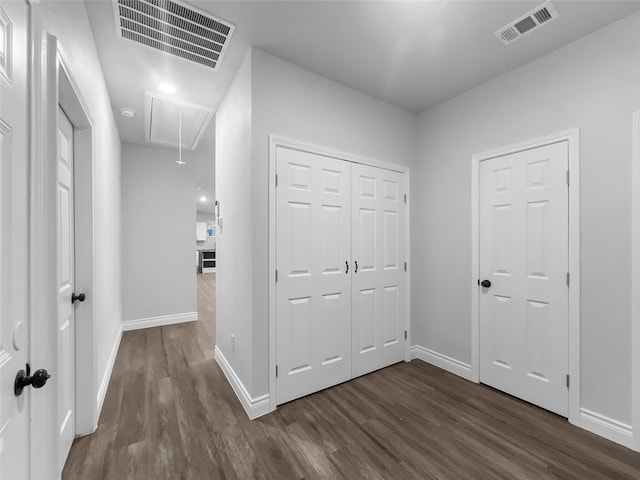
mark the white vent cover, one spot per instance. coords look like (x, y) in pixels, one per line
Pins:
(162, 121)
(175, 28)
(542, 15)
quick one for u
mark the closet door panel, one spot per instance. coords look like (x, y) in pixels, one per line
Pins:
(378, 283)
(313, 292)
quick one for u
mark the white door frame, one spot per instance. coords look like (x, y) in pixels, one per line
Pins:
(635, 283)
(74, 106)
(572, 137)
(52, 84)
(274, 143)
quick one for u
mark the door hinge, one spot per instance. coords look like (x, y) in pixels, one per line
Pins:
(568, 380)
(276, 180)
(276, 275)
(568, 279)
(405, 266)
(568, 177)
(405, 334)
(405, 198)
(276, 371)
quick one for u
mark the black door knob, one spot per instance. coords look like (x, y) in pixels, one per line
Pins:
(485, 283)
(24, 379)
(39, 378)
(80, 297)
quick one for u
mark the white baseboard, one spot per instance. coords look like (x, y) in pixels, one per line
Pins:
(606, 427)
(442, 361)
(593, 422)
(161, 321)
(104, 384)
(255, 407)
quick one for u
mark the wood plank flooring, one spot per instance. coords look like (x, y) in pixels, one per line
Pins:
(170, 414)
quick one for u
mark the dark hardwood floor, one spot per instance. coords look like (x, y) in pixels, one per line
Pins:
(170, 414)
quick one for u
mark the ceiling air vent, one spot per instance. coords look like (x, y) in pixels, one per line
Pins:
(527, 23)
(175, 28)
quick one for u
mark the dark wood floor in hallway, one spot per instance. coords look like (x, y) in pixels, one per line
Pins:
(169, 413)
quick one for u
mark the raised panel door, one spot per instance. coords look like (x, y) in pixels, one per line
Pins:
(14, 240)
(313, 296)
(378, 284)
(524, 254)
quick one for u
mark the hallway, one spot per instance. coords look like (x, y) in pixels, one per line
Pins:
(170, 414)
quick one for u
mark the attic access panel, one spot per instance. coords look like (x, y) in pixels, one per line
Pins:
(162, 121)
(174, 27)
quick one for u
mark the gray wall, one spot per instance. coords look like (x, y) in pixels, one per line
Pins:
(294, 103)
(158, 232)
(233, 241)
(592, 84)
(271, 96)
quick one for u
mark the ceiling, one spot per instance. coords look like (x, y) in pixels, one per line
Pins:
(414, 55)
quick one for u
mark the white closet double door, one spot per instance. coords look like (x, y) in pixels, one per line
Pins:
(340, 309)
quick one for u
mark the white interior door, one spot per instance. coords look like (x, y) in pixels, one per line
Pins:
(65, 378)
(378, 286)
(14, 240)
(313, 296)
(524, 256)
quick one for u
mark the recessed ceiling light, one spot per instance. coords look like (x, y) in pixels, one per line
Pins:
(167, 88)
(127, 112)
(203, 198)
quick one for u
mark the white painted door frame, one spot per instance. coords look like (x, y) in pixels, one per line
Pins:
(53, 84)
(274, 143)
(572, 137)
(635, 284)
(72, 102)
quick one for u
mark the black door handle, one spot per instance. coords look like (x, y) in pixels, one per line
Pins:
(24, 379)
(485, 283)
(80, 297)
(347, 265)
(356, 270)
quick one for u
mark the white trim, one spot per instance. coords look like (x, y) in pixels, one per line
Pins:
(161, 321)
(76, 109)
(274, 143)
(43, 298)
(407, 273)
(606, 427)
(104, 384)
(572, 137)
(255, 407)
(635, 282)
(271, 275)
(449, 364)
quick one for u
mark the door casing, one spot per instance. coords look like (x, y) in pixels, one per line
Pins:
(635, 283)
(274, 143)
(53, 84)
(72, 102)
(572, 137)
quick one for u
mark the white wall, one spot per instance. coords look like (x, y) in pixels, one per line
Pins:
(592, 84)
(68, 21)
(233, 241)
(294, 103)
(158, 233)
(205, 217)
(271, 96)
